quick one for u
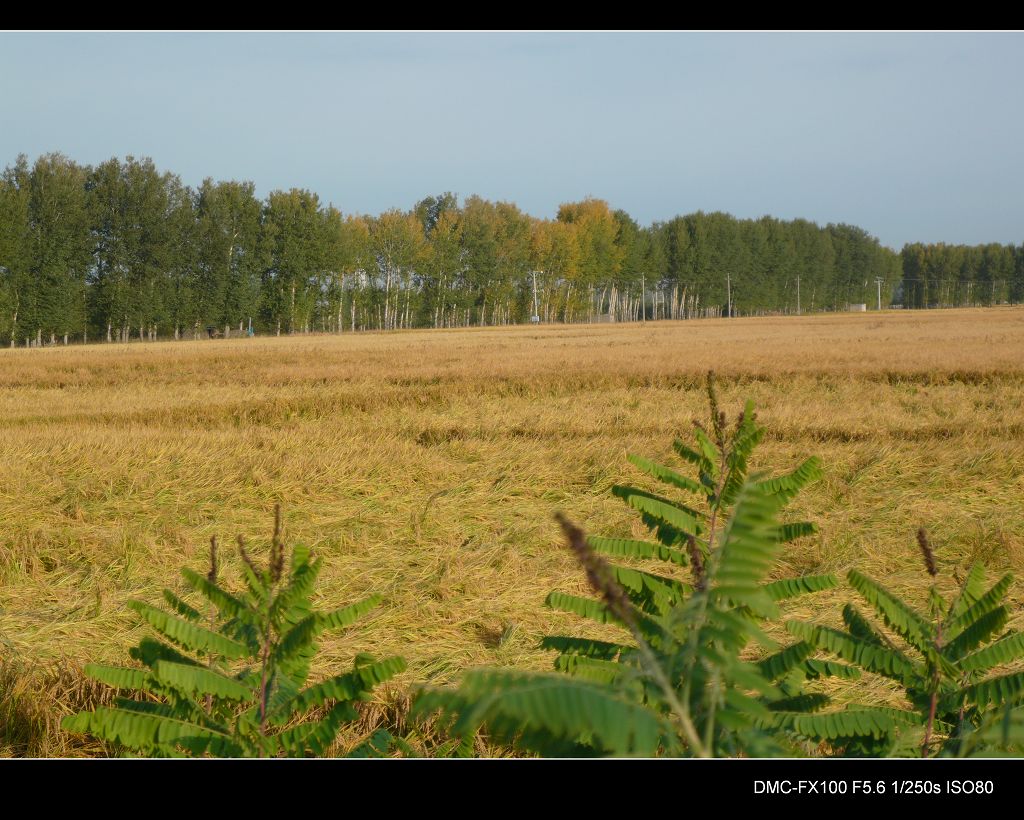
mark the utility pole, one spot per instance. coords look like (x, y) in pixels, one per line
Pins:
(536, 315)
(878, 281)
(643, 297)
(728, 294)
(798, 294)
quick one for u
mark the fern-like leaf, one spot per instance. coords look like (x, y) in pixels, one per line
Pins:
(198, 680)
(677, 518)
(786, 588)
(350, 686)
(1004, 651)
(667, 476)
(788, 486)
(977, 633)
(589, 647)
(150, 732)
(565, 707)
(188, 635)
(628, 548)
(881, 660)
(908, 624)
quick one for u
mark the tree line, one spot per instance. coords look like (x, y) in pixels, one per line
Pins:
(123, 250)
(941, 275)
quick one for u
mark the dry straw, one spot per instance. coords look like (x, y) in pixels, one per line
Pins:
(426, 465)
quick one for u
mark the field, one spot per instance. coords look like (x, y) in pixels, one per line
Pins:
(427, 465)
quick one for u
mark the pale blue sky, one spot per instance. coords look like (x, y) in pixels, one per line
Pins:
(914, 137)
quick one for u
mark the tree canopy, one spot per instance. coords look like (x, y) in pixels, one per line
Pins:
(123, 250)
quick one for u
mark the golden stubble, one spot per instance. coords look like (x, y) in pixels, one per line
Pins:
(427, 465)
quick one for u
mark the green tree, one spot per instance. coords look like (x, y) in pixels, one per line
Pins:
(60, 246)
(18, 311)
(293, 241)
(229, 254)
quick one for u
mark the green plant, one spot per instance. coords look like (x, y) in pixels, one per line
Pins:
(686, 682)
(1000, 734)
(685, 535)
(233, 682)
(943, 659)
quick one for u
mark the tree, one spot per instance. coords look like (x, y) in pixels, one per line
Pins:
(597, 232)
(229, 253)
(17, 296)
(131, 207)
(60, 246)
(293, 240)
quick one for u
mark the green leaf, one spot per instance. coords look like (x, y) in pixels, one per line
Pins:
(801, 585)
(850, 723)
(991, 692)
(627, 548)
(861, 628)
(188, 635)
(349, 686)
(179, 606)
(118, 677)
(871, 657)
(198, 680)
(584, 607)
(985, 604)
(815, 669)
(379, 744)
(980, 631)
(593, 669)
(299, 637)
(348, 615)
(710, 452)
(897, 615)
(775, 667)
(807, 702)
(667, 476)
(789, 485)
(315, 736)
(972, 589)
(292, 603)
(688, 453)
(150, 732)
(748, 549)
(652, 593)
(150, 650)
(1004, 651)
(510, 702)
(678, 519)
(1002, 731)
(583, 646)
(227, 604)
(797, 529)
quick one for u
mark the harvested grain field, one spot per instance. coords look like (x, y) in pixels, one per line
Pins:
(426, 466)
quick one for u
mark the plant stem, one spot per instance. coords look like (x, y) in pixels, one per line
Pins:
(677, 706)
(935, 695)
(928, 728)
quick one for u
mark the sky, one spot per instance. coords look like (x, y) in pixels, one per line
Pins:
(913, 137)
